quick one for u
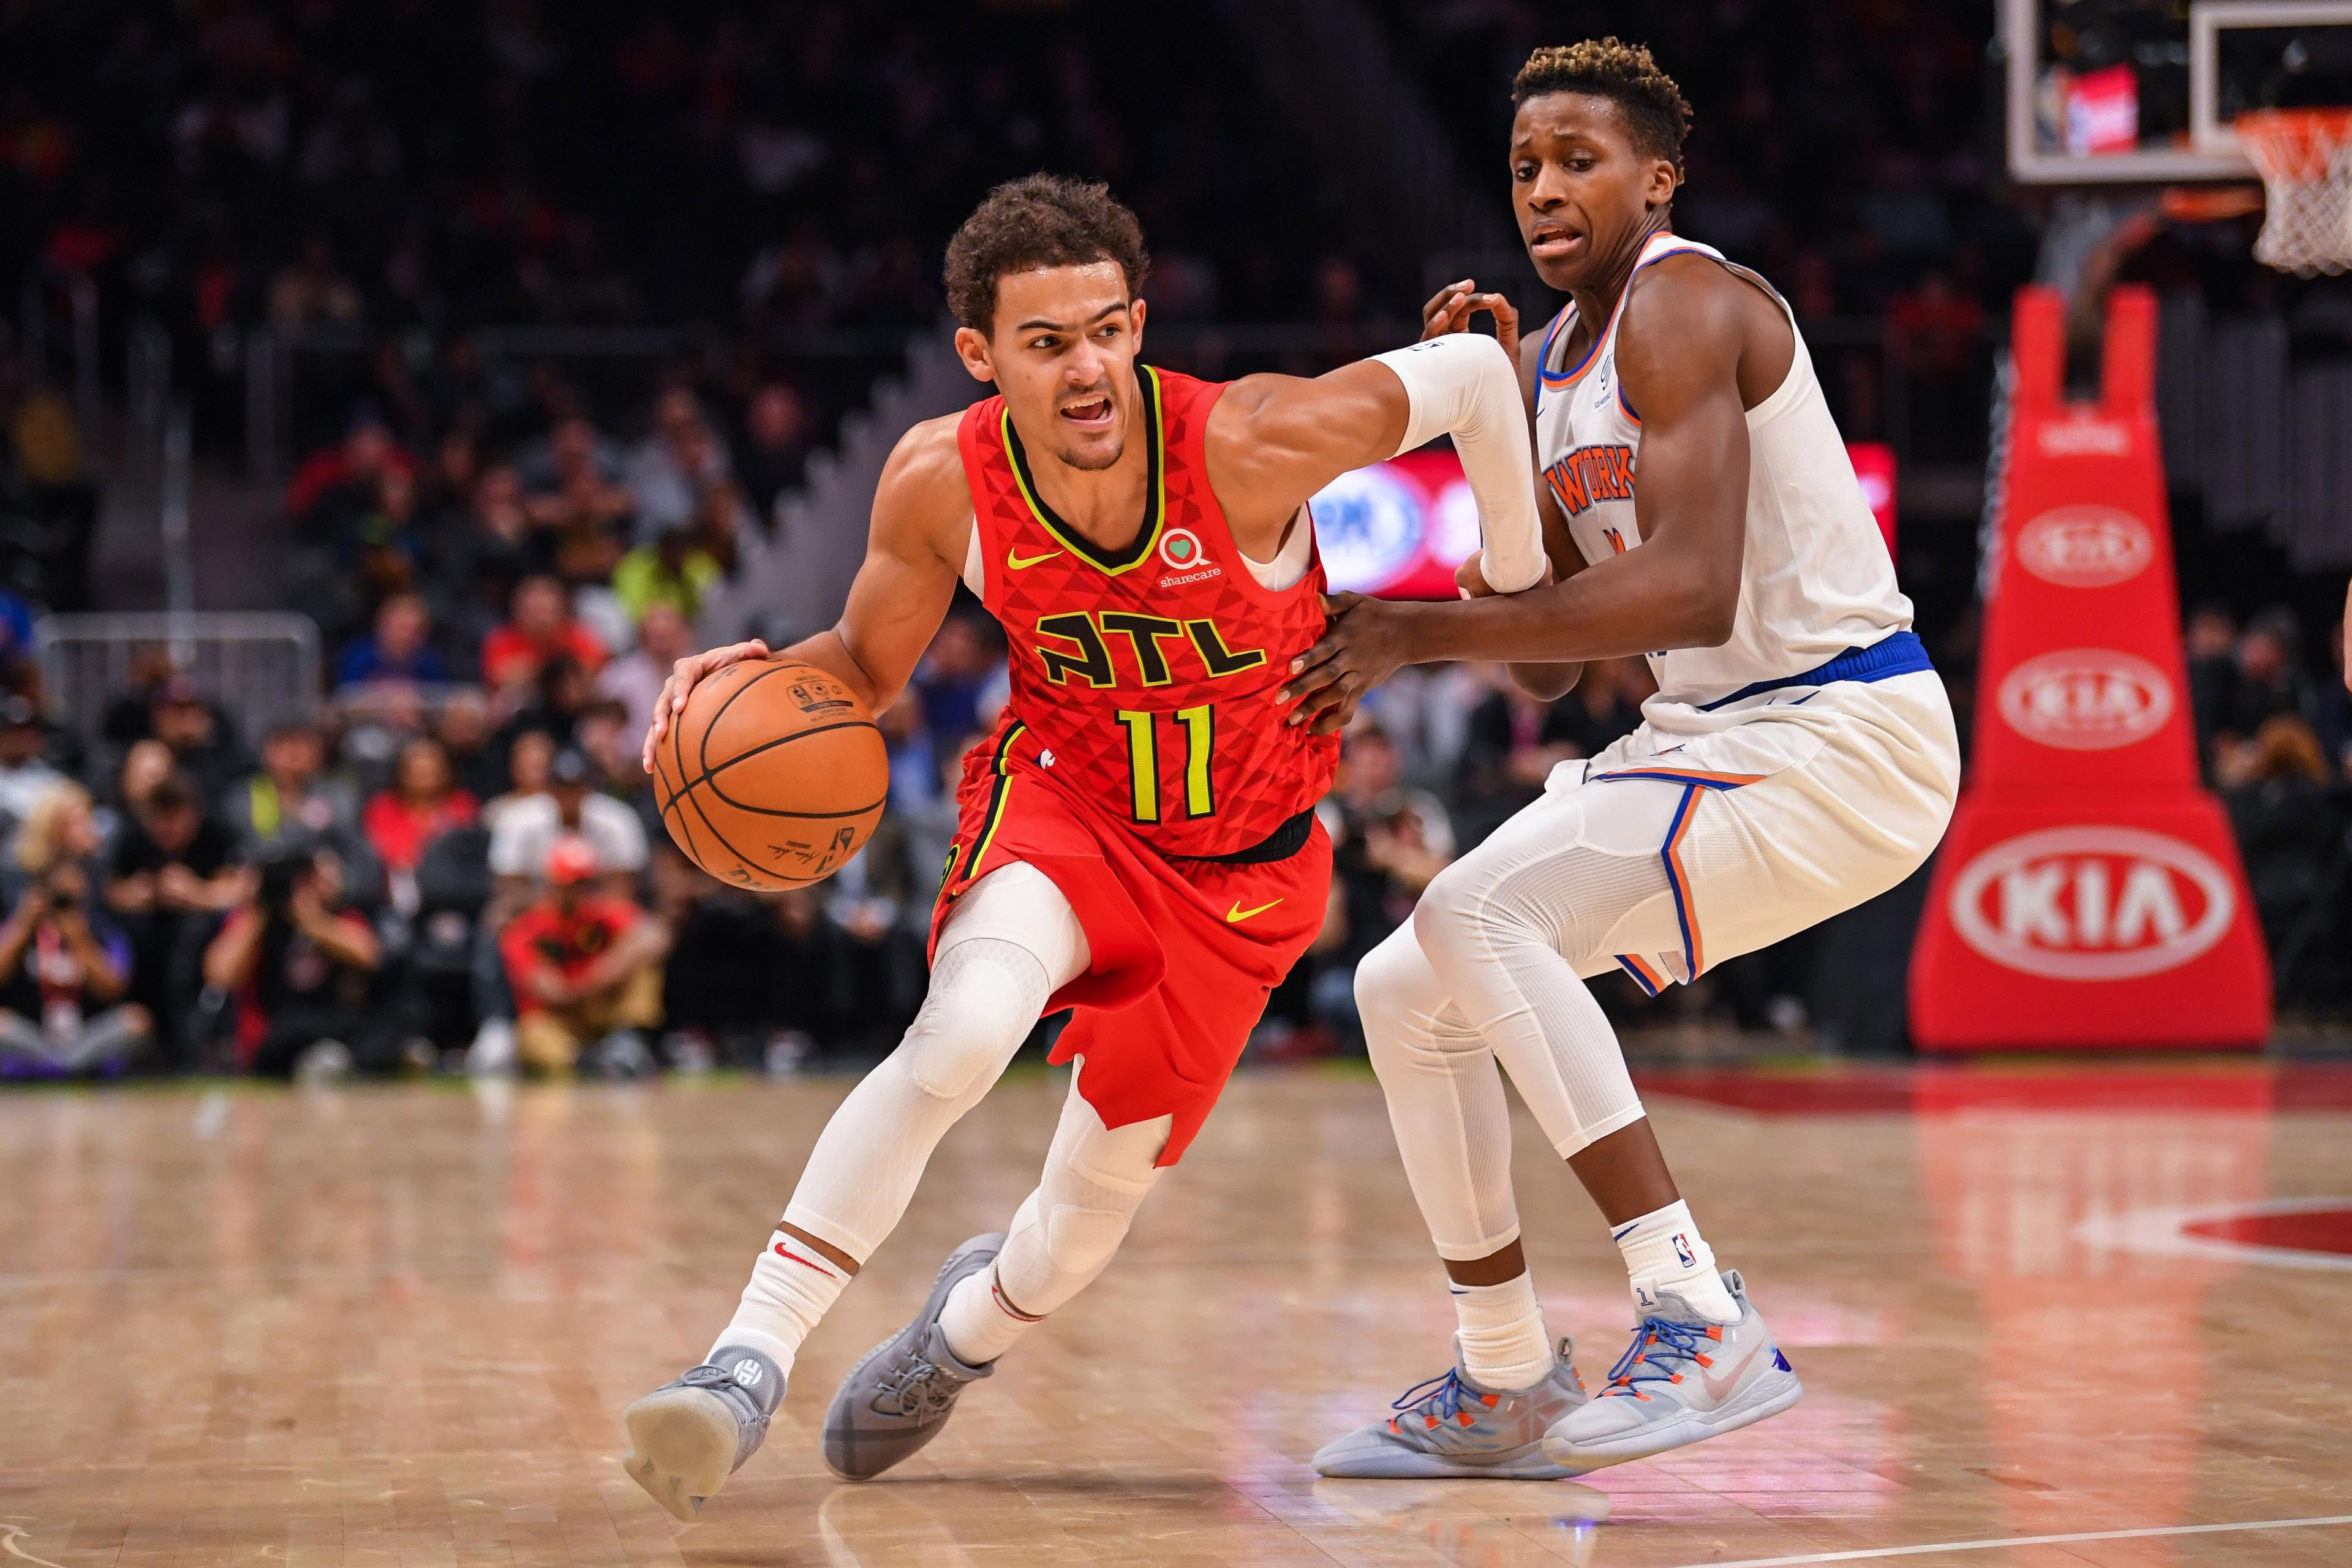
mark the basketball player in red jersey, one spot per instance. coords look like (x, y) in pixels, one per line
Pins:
(1136, 839)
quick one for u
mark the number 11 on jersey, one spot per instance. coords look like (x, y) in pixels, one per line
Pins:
(1200, 736)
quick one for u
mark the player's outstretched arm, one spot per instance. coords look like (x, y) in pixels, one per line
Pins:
(1275, 440)
(1678, 348)
(922, 517)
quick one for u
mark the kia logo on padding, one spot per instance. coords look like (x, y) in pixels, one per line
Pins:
(2086, 546)
(2086, 435)
(2085, 699)
(2092, 903)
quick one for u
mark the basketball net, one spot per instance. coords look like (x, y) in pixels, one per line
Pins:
(2304, 156)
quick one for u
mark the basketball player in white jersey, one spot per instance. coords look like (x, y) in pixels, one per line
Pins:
(1799, 758)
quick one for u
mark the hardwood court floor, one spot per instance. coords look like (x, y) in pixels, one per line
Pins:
(397, 1325)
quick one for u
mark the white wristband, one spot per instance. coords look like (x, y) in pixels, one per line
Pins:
(1465, 384)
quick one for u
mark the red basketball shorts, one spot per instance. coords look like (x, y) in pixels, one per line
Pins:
(1182, 953)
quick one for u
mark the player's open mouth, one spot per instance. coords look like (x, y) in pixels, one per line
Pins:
(1553, 239)
(1094, 414)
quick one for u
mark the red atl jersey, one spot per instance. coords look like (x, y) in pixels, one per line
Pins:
(1146, 674)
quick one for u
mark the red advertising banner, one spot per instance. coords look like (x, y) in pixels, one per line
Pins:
(2089, 892)
(1397, 529)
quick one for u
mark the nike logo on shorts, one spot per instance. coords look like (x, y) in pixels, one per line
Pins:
(1020, 563)
(1237, 914)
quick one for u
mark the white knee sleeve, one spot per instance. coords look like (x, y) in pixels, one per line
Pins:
(986, 996)
(1000, 959)
(1507, 929)
(1066, 1231)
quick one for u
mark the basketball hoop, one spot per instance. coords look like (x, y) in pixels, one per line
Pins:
(2304, 156)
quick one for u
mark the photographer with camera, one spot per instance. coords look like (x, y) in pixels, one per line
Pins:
(586, 964)
(64, 966)
(302, 968)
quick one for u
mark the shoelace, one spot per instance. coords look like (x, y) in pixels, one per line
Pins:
(1657, 1343)
(1437, 1400)
(920, 1391)
(1444, 1391)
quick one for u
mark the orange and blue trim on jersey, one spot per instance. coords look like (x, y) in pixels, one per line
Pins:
(1692, 780)
(1685, 913)
(1546, 376)
(1648, 979)
(1697, 778)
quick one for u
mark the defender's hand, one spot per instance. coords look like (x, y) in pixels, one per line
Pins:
(1450, 309)
(1363, 644)
(683, 675)
(1470, 577)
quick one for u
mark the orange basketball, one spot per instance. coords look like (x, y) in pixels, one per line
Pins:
(773, 776)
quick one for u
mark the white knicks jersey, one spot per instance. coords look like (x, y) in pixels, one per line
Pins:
(1816, 580)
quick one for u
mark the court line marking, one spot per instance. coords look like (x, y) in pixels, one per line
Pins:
(9, 1533)
(2163, 1233)
(1866, 1553)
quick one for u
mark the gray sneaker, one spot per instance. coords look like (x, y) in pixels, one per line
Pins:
(1450, 1426)
(897, 1398)
(1682, 1379)
(687, 1436)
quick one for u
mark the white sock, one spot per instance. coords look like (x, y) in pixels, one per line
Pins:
(1504, 1344)
(792, 1285)
(981, 1323)
(1665, 1251)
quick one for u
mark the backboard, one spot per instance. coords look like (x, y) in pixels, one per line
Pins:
(2143, 92)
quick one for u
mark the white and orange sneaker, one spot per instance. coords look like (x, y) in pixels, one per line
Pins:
(1450, 1427)
(1683, 1379)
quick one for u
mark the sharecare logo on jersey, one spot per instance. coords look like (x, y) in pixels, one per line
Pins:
(2086, 546)
(2086, 700)
(2092, 903)
(1181, 549)
(2086, 435)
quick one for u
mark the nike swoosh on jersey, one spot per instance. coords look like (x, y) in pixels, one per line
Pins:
(1013, 559)
(1237, 914)
(1716, 1387)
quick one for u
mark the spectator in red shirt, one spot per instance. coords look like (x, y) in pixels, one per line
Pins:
(422, 803)
(538, 627)
(362, 457)
(585, 966)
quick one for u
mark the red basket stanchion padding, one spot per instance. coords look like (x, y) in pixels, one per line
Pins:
(2089, 892)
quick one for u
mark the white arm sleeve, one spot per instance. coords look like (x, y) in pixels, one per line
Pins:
(1465, 385)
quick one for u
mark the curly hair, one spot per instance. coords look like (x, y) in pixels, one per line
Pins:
(1623, 73)
(1039, 220)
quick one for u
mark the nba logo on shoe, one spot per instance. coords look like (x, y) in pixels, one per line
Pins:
(748, 1373)
(1682, 1251)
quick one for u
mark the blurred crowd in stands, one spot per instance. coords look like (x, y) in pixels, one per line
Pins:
(460, 863)
(411, 170)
